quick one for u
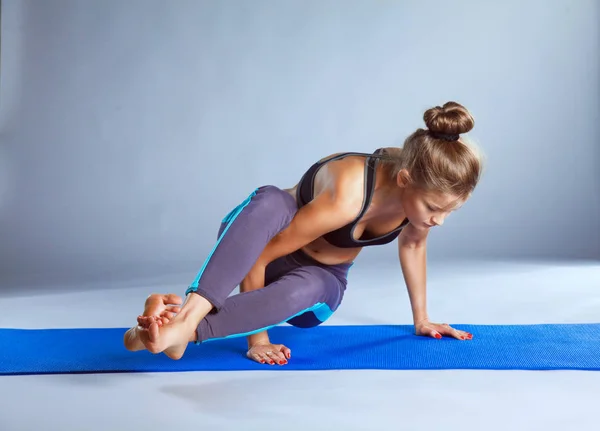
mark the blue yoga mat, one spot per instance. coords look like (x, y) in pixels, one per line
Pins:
(499, 347)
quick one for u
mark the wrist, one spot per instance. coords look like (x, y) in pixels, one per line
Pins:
(417, 320)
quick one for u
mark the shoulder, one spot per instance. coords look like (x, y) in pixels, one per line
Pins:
(343, 181)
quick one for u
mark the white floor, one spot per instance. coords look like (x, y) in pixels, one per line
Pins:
(347, 400)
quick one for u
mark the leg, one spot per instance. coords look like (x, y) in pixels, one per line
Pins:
(306, 296)
(243, 235)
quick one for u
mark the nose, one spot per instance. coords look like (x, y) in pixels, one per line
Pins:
(438, 221)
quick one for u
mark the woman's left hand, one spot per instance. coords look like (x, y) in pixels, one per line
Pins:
(437, 330)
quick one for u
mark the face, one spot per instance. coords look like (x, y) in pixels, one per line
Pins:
(425, 210)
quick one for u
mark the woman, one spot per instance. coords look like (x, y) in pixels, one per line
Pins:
(290, 250)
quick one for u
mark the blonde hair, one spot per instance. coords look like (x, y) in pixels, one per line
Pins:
(437, 158)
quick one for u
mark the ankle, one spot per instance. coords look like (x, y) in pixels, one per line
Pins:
(195, 309)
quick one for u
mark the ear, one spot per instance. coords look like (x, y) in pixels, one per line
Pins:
(403, 178)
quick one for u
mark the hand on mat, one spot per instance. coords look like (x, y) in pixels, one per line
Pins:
(269, 354)
(437, 330)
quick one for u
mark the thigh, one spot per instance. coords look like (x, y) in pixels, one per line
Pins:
(303, 297)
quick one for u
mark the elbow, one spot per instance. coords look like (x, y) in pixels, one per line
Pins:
(412, 239)
(412, 244)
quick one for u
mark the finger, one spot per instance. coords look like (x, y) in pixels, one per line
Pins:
(173, 309)
(445, 329)
(466, 335)
(435, 334)
(456, 334)
(460, 335)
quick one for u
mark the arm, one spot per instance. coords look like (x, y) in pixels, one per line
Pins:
(325, 213)
(413, 260)
(412, 252)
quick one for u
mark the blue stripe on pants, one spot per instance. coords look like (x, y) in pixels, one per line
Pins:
(229, 219)
(321, 311)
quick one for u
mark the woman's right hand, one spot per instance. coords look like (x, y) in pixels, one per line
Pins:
(269, 353)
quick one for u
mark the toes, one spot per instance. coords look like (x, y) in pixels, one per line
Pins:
(167, 315)
(256, 357)
(269, 358)
(153, 298)
(280, 358)
(153, 332)
(287, 353)
(171, 298)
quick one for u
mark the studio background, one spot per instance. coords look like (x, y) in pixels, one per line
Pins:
(129, 129)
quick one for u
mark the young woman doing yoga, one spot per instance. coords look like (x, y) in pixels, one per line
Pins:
(290, 250)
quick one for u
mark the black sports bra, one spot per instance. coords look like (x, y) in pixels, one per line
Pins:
(344, 236)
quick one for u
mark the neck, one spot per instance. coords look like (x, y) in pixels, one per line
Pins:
(387, 193)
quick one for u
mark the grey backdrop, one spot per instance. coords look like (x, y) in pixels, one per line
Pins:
(129, 128)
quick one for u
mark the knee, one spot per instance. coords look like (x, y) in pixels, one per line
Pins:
(308, 294)
(272, 206)
(265, 202)
(274, 200)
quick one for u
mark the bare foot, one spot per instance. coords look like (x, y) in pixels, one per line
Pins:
(158, 309)
(171, 339)
(267, 353)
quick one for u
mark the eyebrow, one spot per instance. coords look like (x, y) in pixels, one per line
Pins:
(433, 205)
(436, 206)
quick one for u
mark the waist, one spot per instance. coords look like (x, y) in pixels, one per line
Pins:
(303, 258)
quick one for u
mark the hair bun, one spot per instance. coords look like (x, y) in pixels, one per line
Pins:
(448, 122)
